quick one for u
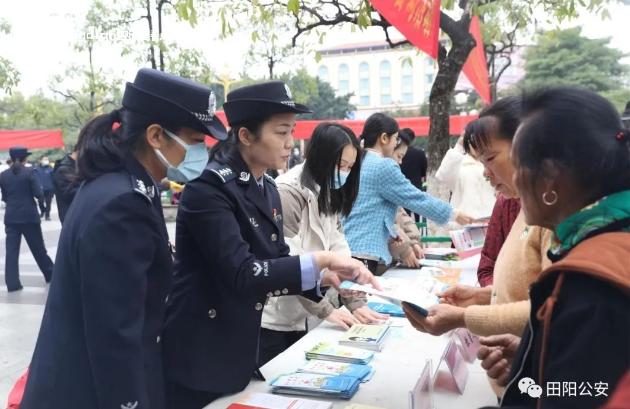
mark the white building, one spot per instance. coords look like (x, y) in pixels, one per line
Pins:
(379, 77)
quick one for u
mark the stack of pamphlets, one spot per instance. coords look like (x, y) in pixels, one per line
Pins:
(362, 372)
(331, 352)
(267, 401)
(386, 308)
(365, 336)
(308, 384)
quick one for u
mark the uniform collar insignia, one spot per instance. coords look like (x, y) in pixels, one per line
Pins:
(245, 176)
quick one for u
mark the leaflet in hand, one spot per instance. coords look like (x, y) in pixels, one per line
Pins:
(392, 310)
(332, 352)
(421, 295)
(362, 372)
(267, 401)
(365, 336)
(308, 384)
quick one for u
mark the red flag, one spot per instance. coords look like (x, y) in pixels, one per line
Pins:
(417, 20)
(476, 68)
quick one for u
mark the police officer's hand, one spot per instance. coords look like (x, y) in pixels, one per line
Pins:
(341, 268)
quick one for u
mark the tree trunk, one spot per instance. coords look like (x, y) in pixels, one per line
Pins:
(449, 67)
(159, 11)
(151, 44)
(92, 90)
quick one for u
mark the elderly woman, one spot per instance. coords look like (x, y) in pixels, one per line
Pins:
(572, 157)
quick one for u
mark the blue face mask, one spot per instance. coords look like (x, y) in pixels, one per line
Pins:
(341, 180)
(193, 164)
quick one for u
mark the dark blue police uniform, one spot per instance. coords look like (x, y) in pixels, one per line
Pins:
(100, 342)
(101, 336)
(44, 173)
(20, 188)
(230, 257)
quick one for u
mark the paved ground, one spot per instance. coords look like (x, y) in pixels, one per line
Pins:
(21, 312)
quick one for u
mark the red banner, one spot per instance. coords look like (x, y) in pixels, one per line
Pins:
(417, 20)
(420, 125)
(476, 68)
(33, 139)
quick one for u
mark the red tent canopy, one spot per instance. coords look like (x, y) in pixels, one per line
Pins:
(420, 125)
(32, 139)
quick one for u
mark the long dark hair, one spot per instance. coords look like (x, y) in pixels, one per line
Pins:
(376, 125)
(104, 146)
(322, 161)
(577, 130)
(502, 118)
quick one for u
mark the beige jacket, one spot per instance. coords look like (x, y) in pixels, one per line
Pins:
(408, 232)
(305, 230)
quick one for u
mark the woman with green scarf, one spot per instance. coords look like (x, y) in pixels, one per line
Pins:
(572, 159)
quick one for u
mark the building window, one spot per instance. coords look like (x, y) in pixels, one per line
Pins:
(386, 83)
(407, 82)
(364, 84)
(344, 80)
(323, 73)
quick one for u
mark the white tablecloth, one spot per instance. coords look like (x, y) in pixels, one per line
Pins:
(397, 367)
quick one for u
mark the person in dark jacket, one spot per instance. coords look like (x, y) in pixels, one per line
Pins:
(65, 180)
(414, 163)
(44, 174)
(576, 348)
(20, 187)
(99, 344)
(231, 255)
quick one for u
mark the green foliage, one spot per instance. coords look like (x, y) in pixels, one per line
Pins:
(9, 76)
(317, 95)
(39, 112)
(619, 97)
(566, 57)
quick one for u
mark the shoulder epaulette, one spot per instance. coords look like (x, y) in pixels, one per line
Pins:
(222, 171)
(141, 188)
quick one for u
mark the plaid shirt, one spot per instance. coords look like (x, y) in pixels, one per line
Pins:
(382, 189)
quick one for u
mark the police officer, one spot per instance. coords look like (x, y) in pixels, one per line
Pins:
(231, 255)
(99, 345)
(20, 187)
(44, 172)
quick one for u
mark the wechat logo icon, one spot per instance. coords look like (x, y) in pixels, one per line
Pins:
(528, 386)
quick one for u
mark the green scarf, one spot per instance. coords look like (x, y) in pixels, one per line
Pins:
(604, 212)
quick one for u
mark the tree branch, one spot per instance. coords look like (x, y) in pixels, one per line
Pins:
(72, 97)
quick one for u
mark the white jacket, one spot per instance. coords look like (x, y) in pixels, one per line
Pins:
(305, 231)
(463, 176)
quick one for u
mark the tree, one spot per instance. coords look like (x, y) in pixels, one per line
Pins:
(100, 90)
(566, 57)
(38, 112)
(9, 76)
(317, 95)
(317, 17)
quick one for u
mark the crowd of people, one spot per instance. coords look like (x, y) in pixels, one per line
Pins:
(133, 322)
